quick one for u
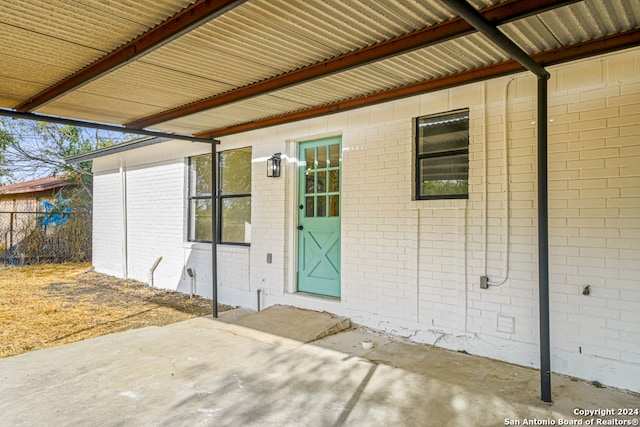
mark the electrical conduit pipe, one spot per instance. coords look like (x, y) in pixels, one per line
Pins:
(153, 268)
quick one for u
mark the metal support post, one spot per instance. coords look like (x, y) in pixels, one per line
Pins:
(543, 243)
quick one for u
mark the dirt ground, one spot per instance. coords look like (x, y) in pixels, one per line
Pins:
(48, 305)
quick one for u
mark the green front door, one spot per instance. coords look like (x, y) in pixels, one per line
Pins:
(319, 217)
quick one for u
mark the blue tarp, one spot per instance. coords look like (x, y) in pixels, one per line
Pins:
(55, 214)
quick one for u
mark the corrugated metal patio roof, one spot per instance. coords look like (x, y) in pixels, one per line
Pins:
(219, 67)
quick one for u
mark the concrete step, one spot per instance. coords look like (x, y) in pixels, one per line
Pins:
(290, 322)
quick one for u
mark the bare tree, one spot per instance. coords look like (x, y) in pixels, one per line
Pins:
(30, 149)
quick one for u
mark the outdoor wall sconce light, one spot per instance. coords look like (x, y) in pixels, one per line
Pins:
(273, 166)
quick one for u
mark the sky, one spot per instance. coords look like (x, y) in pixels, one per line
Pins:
(19, 163)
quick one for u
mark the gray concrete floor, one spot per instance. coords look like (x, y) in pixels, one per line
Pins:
(205, 372)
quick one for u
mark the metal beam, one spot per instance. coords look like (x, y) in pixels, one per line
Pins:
(184, 21)
(471, 15)
(456, 27)
(551, 57)
(102, 126)
(489, 30)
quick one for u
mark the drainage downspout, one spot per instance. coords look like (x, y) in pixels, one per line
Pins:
(479, 22)
(125, 244)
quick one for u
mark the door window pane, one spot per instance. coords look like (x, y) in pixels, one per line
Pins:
(310, 156)
(322, 182)
(322, 157)
(334, 155)
(309, 211)
(334, 205)
(334, 181)
(322, 206)
(310, 181)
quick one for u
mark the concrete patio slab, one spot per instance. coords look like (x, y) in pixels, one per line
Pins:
(205, 372)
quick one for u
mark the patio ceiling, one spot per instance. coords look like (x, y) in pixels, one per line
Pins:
(213, 68)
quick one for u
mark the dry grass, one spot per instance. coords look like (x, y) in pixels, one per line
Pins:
(47, 305)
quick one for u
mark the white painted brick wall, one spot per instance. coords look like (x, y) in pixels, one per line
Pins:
(596, 181)
(156, 209)
(413, 267)
(107, 223)
(233, 272)
(156, 213)
(380, 234)
(269, 235)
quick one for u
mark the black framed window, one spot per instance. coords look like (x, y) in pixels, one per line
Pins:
(442, 155)
(233, 197)
(200, 198)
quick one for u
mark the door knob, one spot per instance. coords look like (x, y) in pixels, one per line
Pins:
(300, 227)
